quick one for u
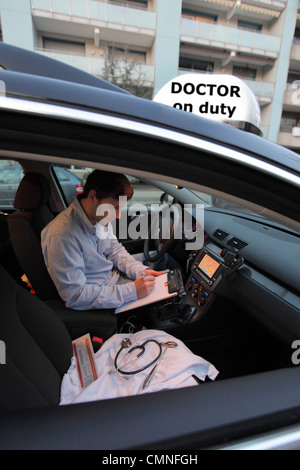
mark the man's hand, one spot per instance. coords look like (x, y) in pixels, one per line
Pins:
(151, 272)
(144, 285)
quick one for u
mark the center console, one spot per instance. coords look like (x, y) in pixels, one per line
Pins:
(208, 268)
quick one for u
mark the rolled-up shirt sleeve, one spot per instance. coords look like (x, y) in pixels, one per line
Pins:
(66, 263)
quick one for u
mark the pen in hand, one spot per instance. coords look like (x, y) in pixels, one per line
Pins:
(144, 285)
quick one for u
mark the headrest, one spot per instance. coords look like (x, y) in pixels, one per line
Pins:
(33, 192)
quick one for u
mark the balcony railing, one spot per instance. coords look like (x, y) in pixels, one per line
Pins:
(262, 90)
(287, 139)
(230, 38)
(95, 65)
(291, 99)
(105, 11)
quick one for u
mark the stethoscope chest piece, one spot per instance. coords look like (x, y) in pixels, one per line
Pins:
(141, 348)
(125, 343)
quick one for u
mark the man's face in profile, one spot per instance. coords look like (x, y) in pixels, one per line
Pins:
(109, 209)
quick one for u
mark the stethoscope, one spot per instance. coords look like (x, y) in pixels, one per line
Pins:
(126, 343)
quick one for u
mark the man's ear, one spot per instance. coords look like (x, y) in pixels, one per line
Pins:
(92, 196)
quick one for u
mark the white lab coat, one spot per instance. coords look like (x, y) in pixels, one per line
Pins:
(176, 369)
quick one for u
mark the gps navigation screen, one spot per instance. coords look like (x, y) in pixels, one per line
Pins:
(208, 265)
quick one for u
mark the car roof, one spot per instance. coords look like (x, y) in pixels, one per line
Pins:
(32, 76)
(25, 61)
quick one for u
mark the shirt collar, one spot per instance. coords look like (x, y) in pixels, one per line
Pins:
(79, 211)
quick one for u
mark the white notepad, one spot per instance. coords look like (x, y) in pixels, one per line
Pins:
(159, 292)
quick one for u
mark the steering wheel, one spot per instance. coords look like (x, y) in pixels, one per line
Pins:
(164, 227)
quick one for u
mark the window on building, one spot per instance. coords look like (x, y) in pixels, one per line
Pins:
(121, 53)
(249, 25)
(289, 121)
(63, 45)
(297, 36)
(195, 64)
(293, 77)
(131, 3)
(199, 16)
(244, 72)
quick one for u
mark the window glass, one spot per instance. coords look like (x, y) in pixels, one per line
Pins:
(61, 45)
(130, 3)
(144, 193)
(11, 174)
(8, 175)
(249, 25)
(244, 72)
(199, 16)
(61, 176)
(120, 53)
(195, 64)
(71, 180)
(221, 203)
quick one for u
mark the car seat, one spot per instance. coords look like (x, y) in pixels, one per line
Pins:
(25, 226)
(7, 255)
(38, 349)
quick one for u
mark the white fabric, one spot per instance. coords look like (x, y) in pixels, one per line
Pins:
(174, 371)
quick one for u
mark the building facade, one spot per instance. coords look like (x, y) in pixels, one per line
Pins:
(256, 40)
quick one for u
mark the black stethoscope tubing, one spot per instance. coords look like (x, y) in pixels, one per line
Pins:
(142, 347)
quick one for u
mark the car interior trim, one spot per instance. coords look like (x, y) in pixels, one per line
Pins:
(155, 179)
(50, 110)
(287, 439)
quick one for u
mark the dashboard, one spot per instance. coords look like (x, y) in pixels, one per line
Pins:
(267, 284)
(273, 250)
(248, 262)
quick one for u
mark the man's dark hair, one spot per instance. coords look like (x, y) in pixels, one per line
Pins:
(107, 184)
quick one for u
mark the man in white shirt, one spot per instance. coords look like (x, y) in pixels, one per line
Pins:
(85, 260)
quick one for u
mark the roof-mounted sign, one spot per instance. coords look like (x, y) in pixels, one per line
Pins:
(222, 98)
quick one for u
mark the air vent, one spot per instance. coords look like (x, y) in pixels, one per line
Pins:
(220, 235)
(236, 243)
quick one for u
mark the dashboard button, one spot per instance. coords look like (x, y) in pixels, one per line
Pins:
(195, 293)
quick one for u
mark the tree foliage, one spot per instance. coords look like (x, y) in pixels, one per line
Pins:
(126, 74)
